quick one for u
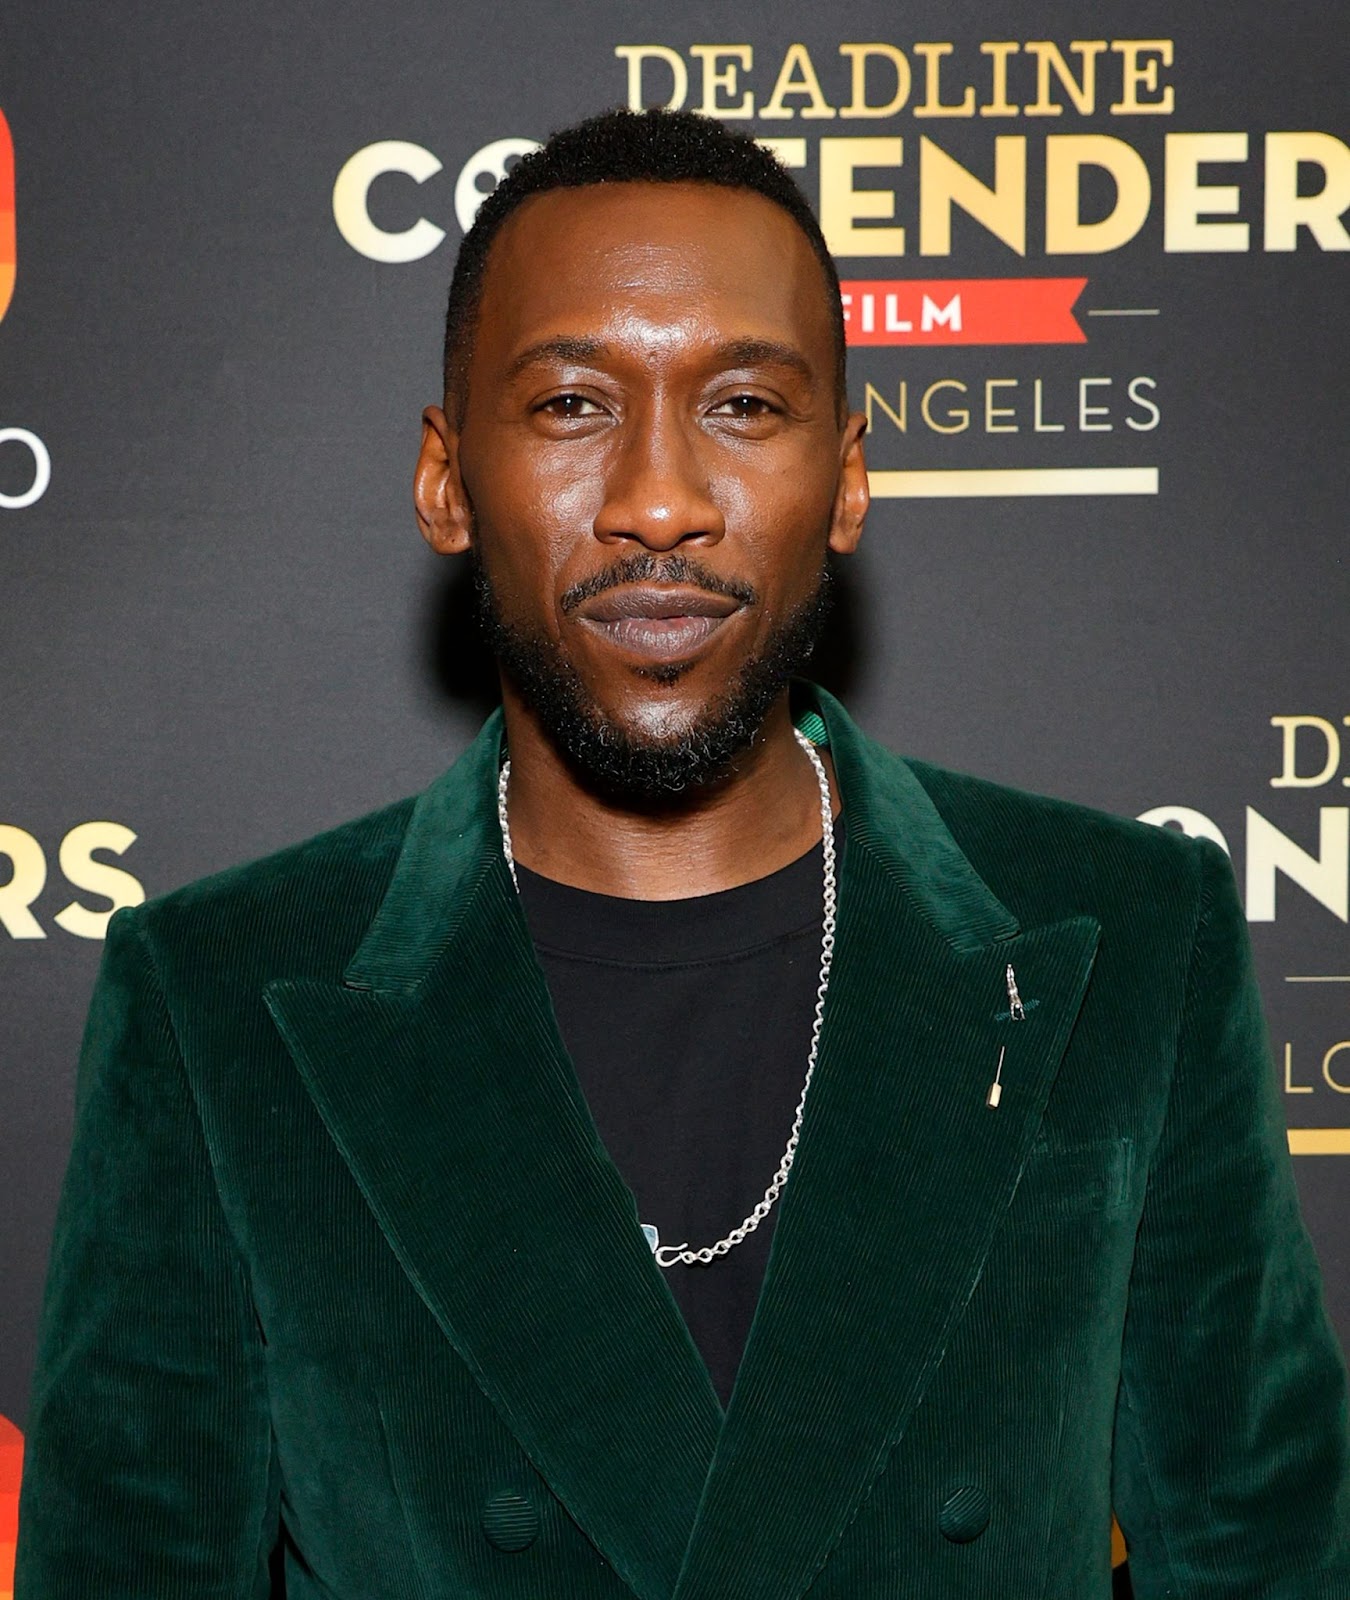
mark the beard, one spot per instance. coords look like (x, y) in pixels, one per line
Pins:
(647, 769)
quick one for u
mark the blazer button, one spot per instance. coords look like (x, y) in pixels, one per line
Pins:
(965, 1515)
(510, 1521)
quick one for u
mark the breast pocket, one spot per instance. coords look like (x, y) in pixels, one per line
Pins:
(1062, 1181)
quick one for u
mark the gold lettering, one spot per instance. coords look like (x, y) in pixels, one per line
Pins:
(1335, 1083)
(1136, 71)
(1287, 210)
(998, 104)
(944, 183)
(797, 76)
(1085, 410)
(1186, 199)
(82, 871)
(1289, 727)
(1152, 415)
(959, 412)
(842, 205)
(1039, 425)
(991, 410)
(25, 885)
(1290, 1087)
(636, 54)
(738, 58)
(932, 79)
(1082, 91)
(873, 397)
(1066, 154)
(1325, 876)
(859, 55)
(1194, 824)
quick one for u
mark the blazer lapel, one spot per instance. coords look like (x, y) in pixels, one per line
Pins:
(901, 1177)
(437, 1068)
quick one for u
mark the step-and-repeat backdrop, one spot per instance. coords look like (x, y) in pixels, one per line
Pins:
(1095, 261)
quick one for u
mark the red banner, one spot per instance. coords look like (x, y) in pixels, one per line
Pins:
(11, 1463)
(962, 310)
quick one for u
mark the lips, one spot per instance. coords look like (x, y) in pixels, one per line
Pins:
(658, 623)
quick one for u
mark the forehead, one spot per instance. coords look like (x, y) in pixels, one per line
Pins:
(691, 258)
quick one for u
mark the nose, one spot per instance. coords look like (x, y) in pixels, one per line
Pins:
(657, 492)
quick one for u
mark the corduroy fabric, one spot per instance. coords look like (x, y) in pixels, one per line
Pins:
(341, 1258)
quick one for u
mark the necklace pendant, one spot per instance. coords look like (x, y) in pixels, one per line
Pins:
(652, 1237)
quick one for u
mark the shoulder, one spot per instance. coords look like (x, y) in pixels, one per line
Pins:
(300, 909)
(1045, 856)
(973, 805)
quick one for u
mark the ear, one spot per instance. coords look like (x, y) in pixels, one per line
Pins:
(852, 496)
(443, 510)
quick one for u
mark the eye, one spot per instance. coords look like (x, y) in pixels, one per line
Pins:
(570, 405)
(745, 407)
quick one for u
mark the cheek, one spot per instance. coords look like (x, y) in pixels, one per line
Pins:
(781, 495)
(531, 528)
(777, 526)
(519, 570)
(561, 490)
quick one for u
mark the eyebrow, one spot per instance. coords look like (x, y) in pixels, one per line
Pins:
(764, 352)
(733, 353)
(563, 348)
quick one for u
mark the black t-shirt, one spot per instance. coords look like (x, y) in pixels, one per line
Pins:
(689, 1025)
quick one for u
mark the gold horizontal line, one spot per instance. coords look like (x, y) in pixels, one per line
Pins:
(1319, 1141)
(1336, 977)
(966, 483)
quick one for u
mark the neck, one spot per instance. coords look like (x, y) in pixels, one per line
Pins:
(761, 816)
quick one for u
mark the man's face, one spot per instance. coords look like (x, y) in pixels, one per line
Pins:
(651, 462)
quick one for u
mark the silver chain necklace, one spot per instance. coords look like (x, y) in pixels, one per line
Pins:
(668, 1254)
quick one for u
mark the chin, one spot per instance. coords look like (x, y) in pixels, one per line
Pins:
(661, 715)
(652, 732)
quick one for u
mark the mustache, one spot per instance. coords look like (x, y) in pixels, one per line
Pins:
(646, 568)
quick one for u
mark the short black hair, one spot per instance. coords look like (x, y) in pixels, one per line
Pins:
(628, 147)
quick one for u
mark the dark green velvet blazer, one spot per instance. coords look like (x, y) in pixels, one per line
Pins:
(342, 1262)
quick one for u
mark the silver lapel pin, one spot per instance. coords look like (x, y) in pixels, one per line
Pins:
(1018, 1013)
(1016, 1010)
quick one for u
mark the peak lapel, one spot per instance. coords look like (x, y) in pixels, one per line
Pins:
(438, 1070)
(901, 1177)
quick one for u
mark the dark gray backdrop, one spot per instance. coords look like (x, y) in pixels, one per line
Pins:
(221, 631)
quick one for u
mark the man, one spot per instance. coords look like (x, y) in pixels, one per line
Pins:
(425, 1174)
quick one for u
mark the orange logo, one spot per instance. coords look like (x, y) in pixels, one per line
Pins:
(8, 252)
(11, 1460)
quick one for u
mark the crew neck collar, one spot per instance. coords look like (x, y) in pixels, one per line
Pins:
(568, 921)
